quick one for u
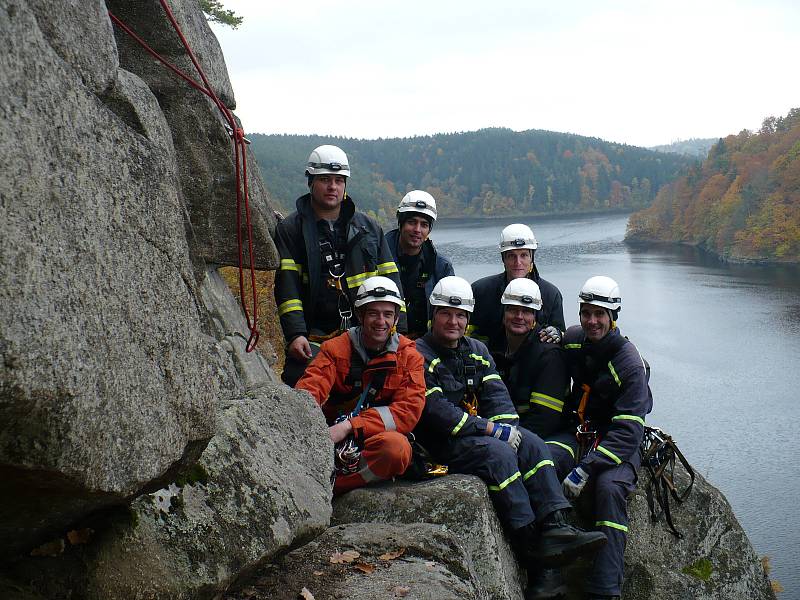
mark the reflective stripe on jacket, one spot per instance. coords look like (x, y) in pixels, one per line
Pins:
(487, 319)
(537, 380)
(619, 399)
(298, 278)
(399, 403)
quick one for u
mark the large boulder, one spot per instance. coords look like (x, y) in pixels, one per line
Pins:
(106, 378)
(713, 560)
(458, 502)
(254, 493)
(363, 561)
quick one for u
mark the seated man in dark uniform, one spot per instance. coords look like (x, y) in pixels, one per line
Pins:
(609, 400)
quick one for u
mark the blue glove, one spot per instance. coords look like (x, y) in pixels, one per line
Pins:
(574, 482)
(507, 433)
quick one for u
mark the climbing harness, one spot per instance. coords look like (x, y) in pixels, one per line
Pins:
(472, 388)
(659, 456)
(585, 435)
(240, 161)
(333, 261)
(347, 453)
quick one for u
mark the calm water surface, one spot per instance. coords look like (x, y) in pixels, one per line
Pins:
(723, 344)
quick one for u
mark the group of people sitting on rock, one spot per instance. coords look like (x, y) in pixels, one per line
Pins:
(487, 377)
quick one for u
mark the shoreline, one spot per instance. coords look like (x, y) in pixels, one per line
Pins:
(732, 260)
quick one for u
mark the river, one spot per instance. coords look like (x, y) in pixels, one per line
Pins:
(722, 341)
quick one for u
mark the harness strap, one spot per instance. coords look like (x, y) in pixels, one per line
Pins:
(659, 455)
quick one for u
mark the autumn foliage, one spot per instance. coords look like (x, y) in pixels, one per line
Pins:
(742, 203)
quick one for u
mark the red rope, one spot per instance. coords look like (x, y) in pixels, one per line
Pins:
(240, 161)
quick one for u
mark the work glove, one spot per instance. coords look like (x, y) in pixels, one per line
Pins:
(574, 482)
(507, 433)
(550, 334)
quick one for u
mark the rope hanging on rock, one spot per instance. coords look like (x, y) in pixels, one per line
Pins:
(240, 161)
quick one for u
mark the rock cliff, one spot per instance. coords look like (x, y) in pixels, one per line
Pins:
(143, 452)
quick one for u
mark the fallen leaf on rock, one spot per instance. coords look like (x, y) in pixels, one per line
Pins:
(319, 573)
(53, 548)
(347, 556)
(401, 590)
(305, 594)
(365, 568)
(392, 555)
(79, 536)
(430, 565)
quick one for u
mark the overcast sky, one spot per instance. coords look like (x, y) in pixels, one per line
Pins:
(634, 71)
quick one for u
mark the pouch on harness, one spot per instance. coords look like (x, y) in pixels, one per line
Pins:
(659, 455)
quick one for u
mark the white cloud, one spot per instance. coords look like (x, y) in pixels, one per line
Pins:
(643, 73)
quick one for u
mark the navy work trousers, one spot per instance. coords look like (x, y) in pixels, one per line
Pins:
(523, 485)
(609, 490)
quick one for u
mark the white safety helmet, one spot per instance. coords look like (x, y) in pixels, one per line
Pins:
(329, 160)
(454, 292)
(522, 292)
(417, 201)
(378, 289)
(517, 236)
(601, 291)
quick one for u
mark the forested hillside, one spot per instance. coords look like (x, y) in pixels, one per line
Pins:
(491, 172)
(696, 147)
(742, 203)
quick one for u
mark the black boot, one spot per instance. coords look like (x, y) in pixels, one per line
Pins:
(545, 584)
(559, 543)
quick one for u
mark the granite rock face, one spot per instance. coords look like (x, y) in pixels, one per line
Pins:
(363, 561)
(122, 363)
(105, 386)
(713, 560)
(206, 167)
(458, 502)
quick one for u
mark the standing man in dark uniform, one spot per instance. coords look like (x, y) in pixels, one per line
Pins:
(517, 248)
(469, 424)
(421, 267)
(610, 398)
(328, 249)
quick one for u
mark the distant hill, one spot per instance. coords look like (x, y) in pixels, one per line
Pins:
(695, 147)
(490, 172)
(742, 203)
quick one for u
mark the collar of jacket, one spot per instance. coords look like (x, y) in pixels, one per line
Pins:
(392, 344)
(531, 338)
(606, 348)
(303, 205)
(443, 352)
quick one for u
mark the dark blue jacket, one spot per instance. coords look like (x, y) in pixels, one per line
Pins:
(446, 388)
(442, 267)
(537, 380)
(619, 396)
(487, 320)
